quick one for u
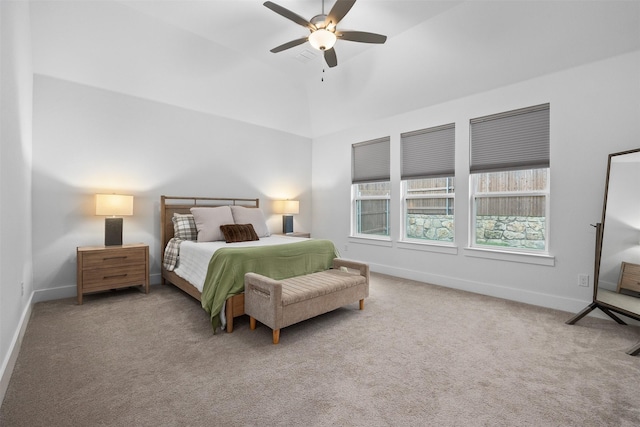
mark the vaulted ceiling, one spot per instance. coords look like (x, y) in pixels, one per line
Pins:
(213, 56)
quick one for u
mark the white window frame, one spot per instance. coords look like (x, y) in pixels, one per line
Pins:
(370, 164)
(474, 196)
(511, 140)
(404, 213)
(425, 154)
(355, 198)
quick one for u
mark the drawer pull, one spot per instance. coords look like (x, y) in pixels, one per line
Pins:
(115, 257)
(117, 275)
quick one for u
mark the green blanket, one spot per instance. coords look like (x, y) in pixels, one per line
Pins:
(225, 275)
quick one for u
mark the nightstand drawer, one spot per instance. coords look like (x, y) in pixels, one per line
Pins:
(106, 278)
(630, 283)
(629, 277)
(114, 258)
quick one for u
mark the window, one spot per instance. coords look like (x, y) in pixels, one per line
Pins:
(428, 169)
(428, 206)
(510, 180)
(372, 208)
(371, 188)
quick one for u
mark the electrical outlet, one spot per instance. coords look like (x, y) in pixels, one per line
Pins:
(346, 247)
(21, 288)
(583, 280)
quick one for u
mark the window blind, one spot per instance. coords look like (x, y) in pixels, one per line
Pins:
(517, 139)
(370, 161)
(428, 153)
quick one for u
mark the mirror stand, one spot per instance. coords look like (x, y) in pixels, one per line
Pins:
(633, 351)
(589, 309)
(616, 283)
(595, 304)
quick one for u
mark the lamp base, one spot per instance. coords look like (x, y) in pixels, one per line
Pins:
(287, 224)
(113, 231)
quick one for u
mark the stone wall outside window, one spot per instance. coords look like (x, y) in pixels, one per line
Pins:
(491, 230)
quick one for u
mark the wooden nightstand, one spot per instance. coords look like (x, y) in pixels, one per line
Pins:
(629, 277)
(101, 268)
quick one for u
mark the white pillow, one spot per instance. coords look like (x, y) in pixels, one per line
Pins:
(209, 220)
(253, 216)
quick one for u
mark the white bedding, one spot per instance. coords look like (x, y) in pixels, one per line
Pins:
(193, 261)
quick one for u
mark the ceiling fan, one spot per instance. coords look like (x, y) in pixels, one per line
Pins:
(324, 33)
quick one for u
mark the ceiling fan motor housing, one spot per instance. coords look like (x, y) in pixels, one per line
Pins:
(319, 21)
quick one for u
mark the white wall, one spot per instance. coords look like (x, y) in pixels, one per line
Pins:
(114, 45)
(15, 182)
(89, 140)
(594, 111)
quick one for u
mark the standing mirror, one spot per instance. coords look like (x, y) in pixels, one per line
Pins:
(617, 258)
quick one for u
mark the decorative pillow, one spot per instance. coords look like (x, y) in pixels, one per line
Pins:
(238, 233)
(253, 216)
(209, 220)
(184, 227)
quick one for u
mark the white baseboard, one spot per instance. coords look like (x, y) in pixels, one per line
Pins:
(54, 293)
(570, 305)
(14, 349)
(71, 290)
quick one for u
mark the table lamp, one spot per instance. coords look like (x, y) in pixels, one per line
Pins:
(288, 208)
(113, 206)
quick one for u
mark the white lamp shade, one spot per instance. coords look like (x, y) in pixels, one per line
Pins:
(114, 205)
(322, 39)
(287, 207)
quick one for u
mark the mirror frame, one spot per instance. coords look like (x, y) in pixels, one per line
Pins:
(600, 239)
(607, 308)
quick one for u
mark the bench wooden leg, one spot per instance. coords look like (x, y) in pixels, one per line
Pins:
(276, 336)
(252, 323)
(361, 304)
(229, 313)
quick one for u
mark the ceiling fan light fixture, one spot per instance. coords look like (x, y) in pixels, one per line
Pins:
(322, 39)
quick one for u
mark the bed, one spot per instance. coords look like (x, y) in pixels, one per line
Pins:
(221, 292)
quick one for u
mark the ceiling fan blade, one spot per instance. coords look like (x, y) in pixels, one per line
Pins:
(330, 57)
(288, 45)
(290, 15)
(338, 11)
(361, 36)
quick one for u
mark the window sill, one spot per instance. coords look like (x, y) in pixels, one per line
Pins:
(428, 247)
(376, 241)
(526, 258)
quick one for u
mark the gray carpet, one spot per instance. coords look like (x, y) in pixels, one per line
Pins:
(417, 355)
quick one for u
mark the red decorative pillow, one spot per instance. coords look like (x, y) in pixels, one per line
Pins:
(238, 233)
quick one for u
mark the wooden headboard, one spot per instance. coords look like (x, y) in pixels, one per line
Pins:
(170, 205)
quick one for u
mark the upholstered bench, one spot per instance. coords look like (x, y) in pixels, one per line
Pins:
(281, 303)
